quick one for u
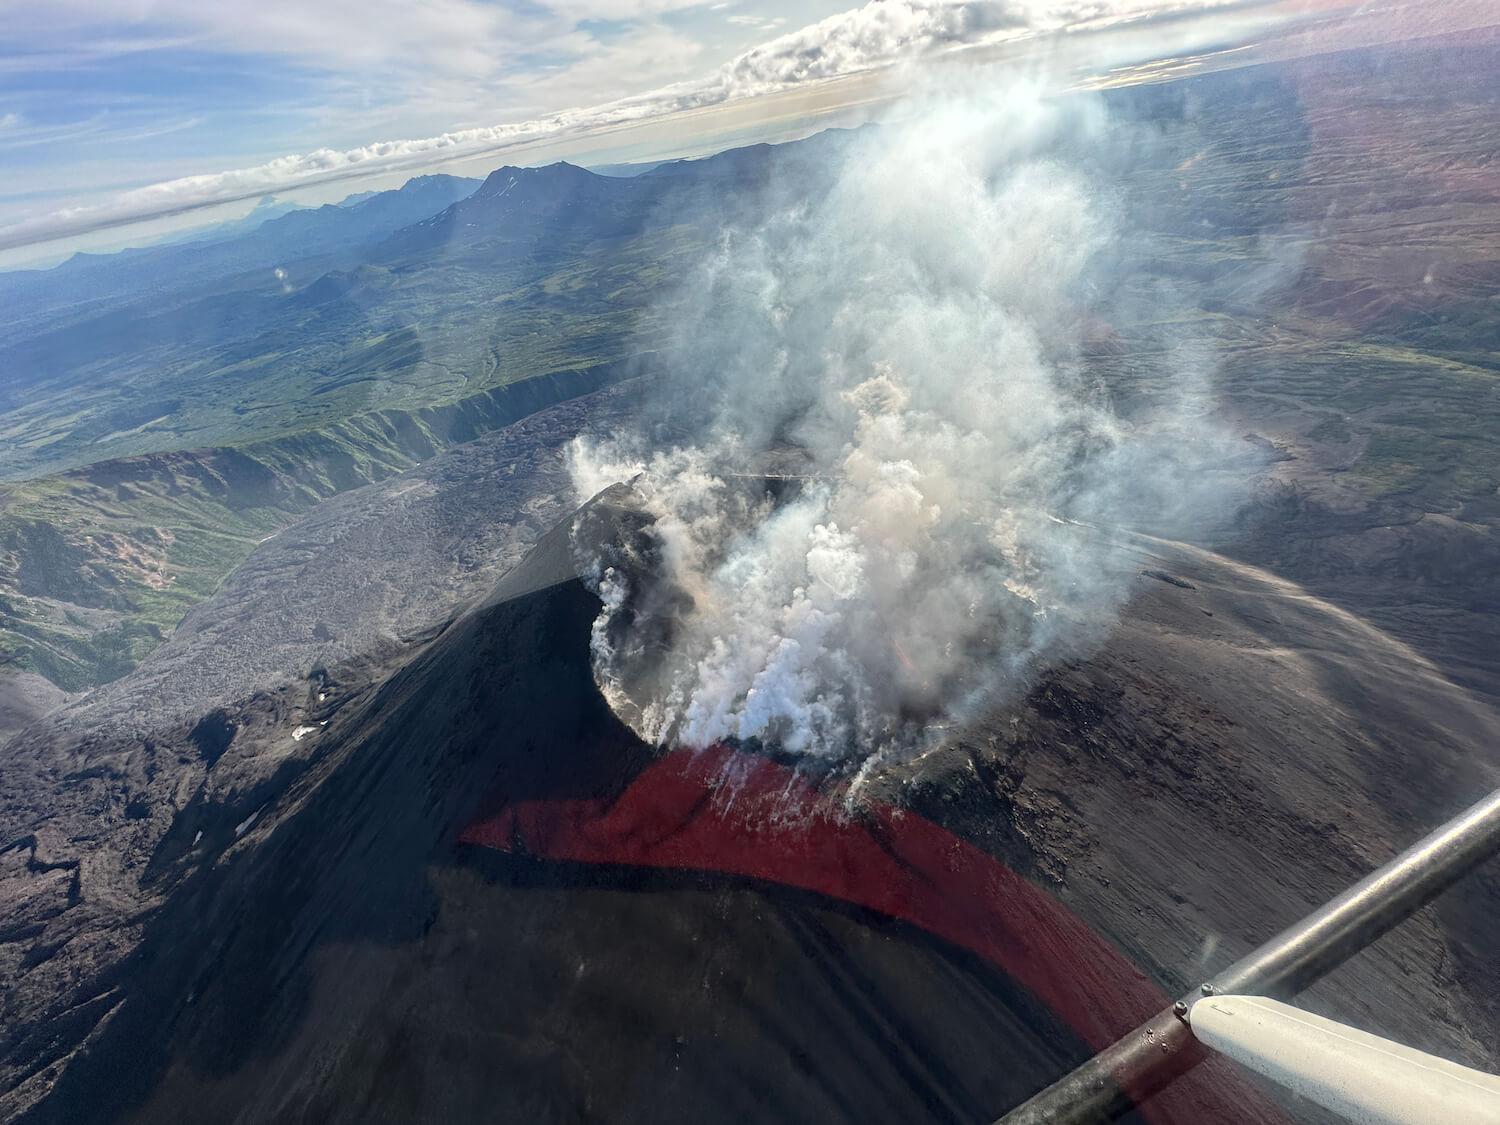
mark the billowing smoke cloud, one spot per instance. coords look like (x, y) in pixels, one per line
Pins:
(882, 477)
(876, 36)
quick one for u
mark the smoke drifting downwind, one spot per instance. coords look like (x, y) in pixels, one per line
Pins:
(881, 477)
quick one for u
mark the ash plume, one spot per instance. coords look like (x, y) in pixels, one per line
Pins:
(882, 478)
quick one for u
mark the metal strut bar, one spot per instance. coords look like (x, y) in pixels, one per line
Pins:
(1163, 1048)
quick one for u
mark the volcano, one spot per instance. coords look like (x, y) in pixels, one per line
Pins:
(364, 841)
(449, 884)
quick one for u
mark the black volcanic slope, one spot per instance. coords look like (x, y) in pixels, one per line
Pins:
(344, 960)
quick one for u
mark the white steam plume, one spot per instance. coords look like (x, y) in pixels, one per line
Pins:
(901, 359)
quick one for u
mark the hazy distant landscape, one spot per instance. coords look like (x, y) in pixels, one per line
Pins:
(290, 568)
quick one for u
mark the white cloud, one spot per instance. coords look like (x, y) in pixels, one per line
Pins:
(639, 60)
(473, 38)
(17, 132)
(878, 35)
(451, 33)
(760, 23)
(889, 31)
(875, 35)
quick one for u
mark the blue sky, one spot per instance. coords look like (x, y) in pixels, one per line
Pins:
(90, 100)
(118, 110)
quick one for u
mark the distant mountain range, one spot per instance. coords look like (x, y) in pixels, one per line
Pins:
(266, 208)
(291, 236)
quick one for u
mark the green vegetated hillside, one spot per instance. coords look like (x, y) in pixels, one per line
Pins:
(246, 364)
(97, 564)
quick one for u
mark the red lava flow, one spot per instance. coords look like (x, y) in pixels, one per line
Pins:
(722, 810)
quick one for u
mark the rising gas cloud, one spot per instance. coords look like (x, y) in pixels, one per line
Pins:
(884, 481)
